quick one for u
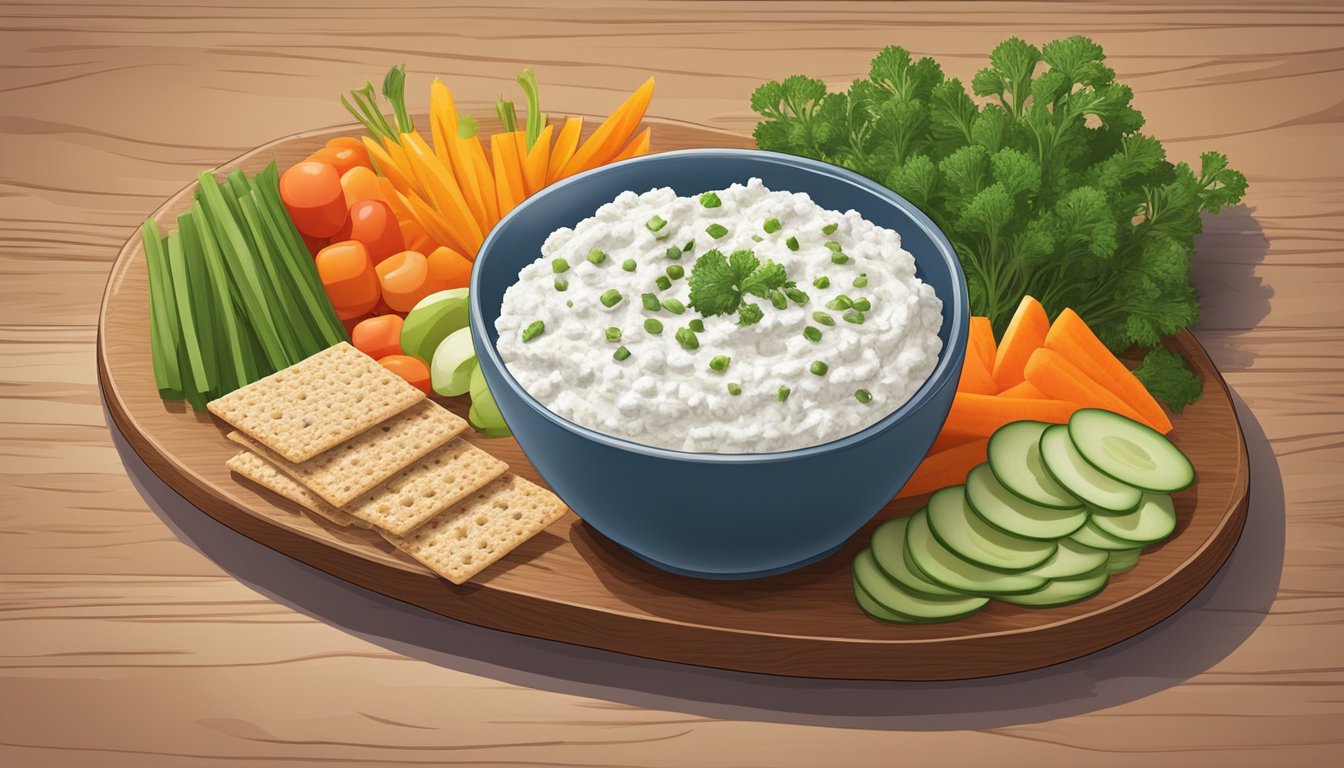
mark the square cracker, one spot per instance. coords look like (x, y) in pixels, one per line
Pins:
(358, 465)
(437, 481)
(261, 472)
(317, 403)
(463, 541)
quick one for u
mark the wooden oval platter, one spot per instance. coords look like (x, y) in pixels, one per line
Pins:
(571, 585)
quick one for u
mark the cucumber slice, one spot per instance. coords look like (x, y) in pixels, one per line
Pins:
(1009, 512)
(1062, 591)
(1133, 453)
(893, 597)
(1092, 536)
(1071, 470)
(1015, 459)
(1072, 560)
(959, 529)
(889, 553)
(1153, 521)
(1122, 561)
(875, 609)
(454, 361)
(938, 564)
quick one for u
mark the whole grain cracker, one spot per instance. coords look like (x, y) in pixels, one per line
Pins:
(317, 403)
(358, 465)
(466, 539)
(435, 482)
(263, 473)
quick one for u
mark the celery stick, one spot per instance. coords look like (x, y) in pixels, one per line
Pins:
(163, 333)
(316, 307)
(284, 295)
(236, 366)
(195, 383)
(202, 301)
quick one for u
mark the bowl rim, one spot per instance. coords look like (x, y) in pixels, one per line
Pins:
(937, 380)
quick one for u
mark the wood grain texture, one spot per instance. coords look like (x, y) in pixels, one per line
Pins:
(126, 647)
(572, 584)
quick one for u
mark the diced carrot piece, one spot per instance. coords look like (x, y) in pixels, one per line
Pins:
(352, 143)
(449, 269)
(566, 142)
(347, 275)
(360, 184)
(1026, 332)
(1071, 337)
(1058, 378)
(378, 336)
(944, 468)
(373, 223)
(980, 415)
(412, 369)
(405, 280)
(314, 199)
(975, 377)
(340, 158)
(981, 339)
(1024, 389)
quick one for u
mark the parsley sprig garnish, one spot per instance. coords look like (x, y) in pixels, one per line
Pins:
(720, 285)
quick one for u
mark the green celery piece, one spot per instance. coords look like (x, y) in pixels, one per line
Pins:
(236, 364)
(283, 293)
(244, 273)
(316, 308)
(195, 383)
(163, 331)
(202, 301)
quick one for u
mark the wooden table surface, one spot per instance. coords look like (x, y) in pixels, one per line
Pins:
(134, 631)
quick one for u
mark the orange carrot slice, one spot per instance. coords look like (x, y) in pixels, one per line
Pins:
(508, 178)
(981, 340)
(944, 468)
(1053, 374)
(980, 415)
(388, 167)
(612, 134)
(534, 164)
(1072, 338)
(1026, 331)
(442, 188)
(1024, 389)
(975, 377)
(485, 178)
(637, 146)
(565, 143)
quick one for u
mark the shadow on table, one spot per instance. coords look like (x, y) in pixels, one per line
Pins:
(1233, 298)
(1198, 636)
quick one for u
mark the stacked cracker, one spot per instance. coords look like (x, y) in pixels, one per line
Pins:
(353, 443)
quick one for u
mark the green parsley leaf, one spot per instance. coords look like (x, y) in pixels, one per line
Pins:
(1167, 378)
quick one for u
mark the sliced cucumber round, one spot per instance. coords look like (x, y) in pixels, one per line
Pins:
(1072, 560)
(1068, 467)
(1015, 459)
(1133, 453)
(1062, 591)
(938, 564)
(1092, 536)
(959, 529)
(888, 547)
(875, 609)
(896, 599)
(1009, 512)
(1154, 520)
(1122, 561)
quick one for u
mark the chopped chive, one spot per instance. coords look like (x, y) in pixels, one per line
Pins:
(697, 325)
(559, 265)
(818, 368)
(757, 238)
(839, 258)
(792, 242)
(628, 265)
(822, 282)
(710, 200)
(653, 325)
(863, 305)
(674, 306)
(672, 252)
(863, 396)
(771, 226)
(663, 282)
(831, 245)
(597, 256)
(829, 229)
(533, 330)
(650, 302)
(778, 299)
(656, 223)
(570, 303)
(611, 298)
(734, 390)
(783, 393)
(613, 333)
(689, 246)
(823, 318)
(716, 230)
(621, 353)
(561, 285)
(812, 333)
(861, 281)
(796, 296)
(686, 338)
(719, 364)
(676, 271)
(840, 302)
(853, 317)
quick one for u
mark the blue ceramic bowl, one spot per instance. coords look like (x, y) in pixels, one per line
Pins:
(720, 516)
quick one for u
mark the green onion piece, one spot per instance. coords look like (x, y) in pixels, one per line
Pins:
(823, 318)
(749, 314)
(818, 368)
(771, 226)
(394, 90)
(795, 295)
(597, 256)
(710, 200)
(561, 285)
(570, 303)
(650, 302)
(663, 282)
(653, 325)
(734, 390)
(792, 242)
(535, 120)
(719, 364)
(829, 229)
(839, 258)
(783, 393)
(656, 223)
(863, 305)
(757, 238)
(628, 265)
(533, 330)
(778, 299)
(689, 246)
(686, 338)
(812, 333)
(716, 230)
(831, 245)
(697, 325)
(840, 302)
(611, 298)
(822, 282)
(863, 396)
(672, 252)
(676, 271)
(621, 353)
(507, 115)
(853, 317)
(861, 281)
(613, 333)
(674, 306)
(559, 265)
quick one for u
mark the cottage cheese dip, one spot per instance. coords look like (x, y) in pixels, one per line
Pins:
(604, 329)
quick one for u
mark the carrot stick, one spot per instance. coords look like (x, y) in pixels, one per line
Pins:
(1026, 331)
(443, 189)
(388, 167)
(1072, 338)
(508, 181)
(947, 440)
(534, 165)
(980, 415)
(1024, 389)
(444, 120)
(975, 377)
(1058, 378)
(637, 146)
(944, 468)
(612, 134)
(982, 340)
(565, 143)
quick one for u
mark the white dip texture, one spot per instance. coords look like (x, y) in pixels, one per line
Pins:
(854, 348)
